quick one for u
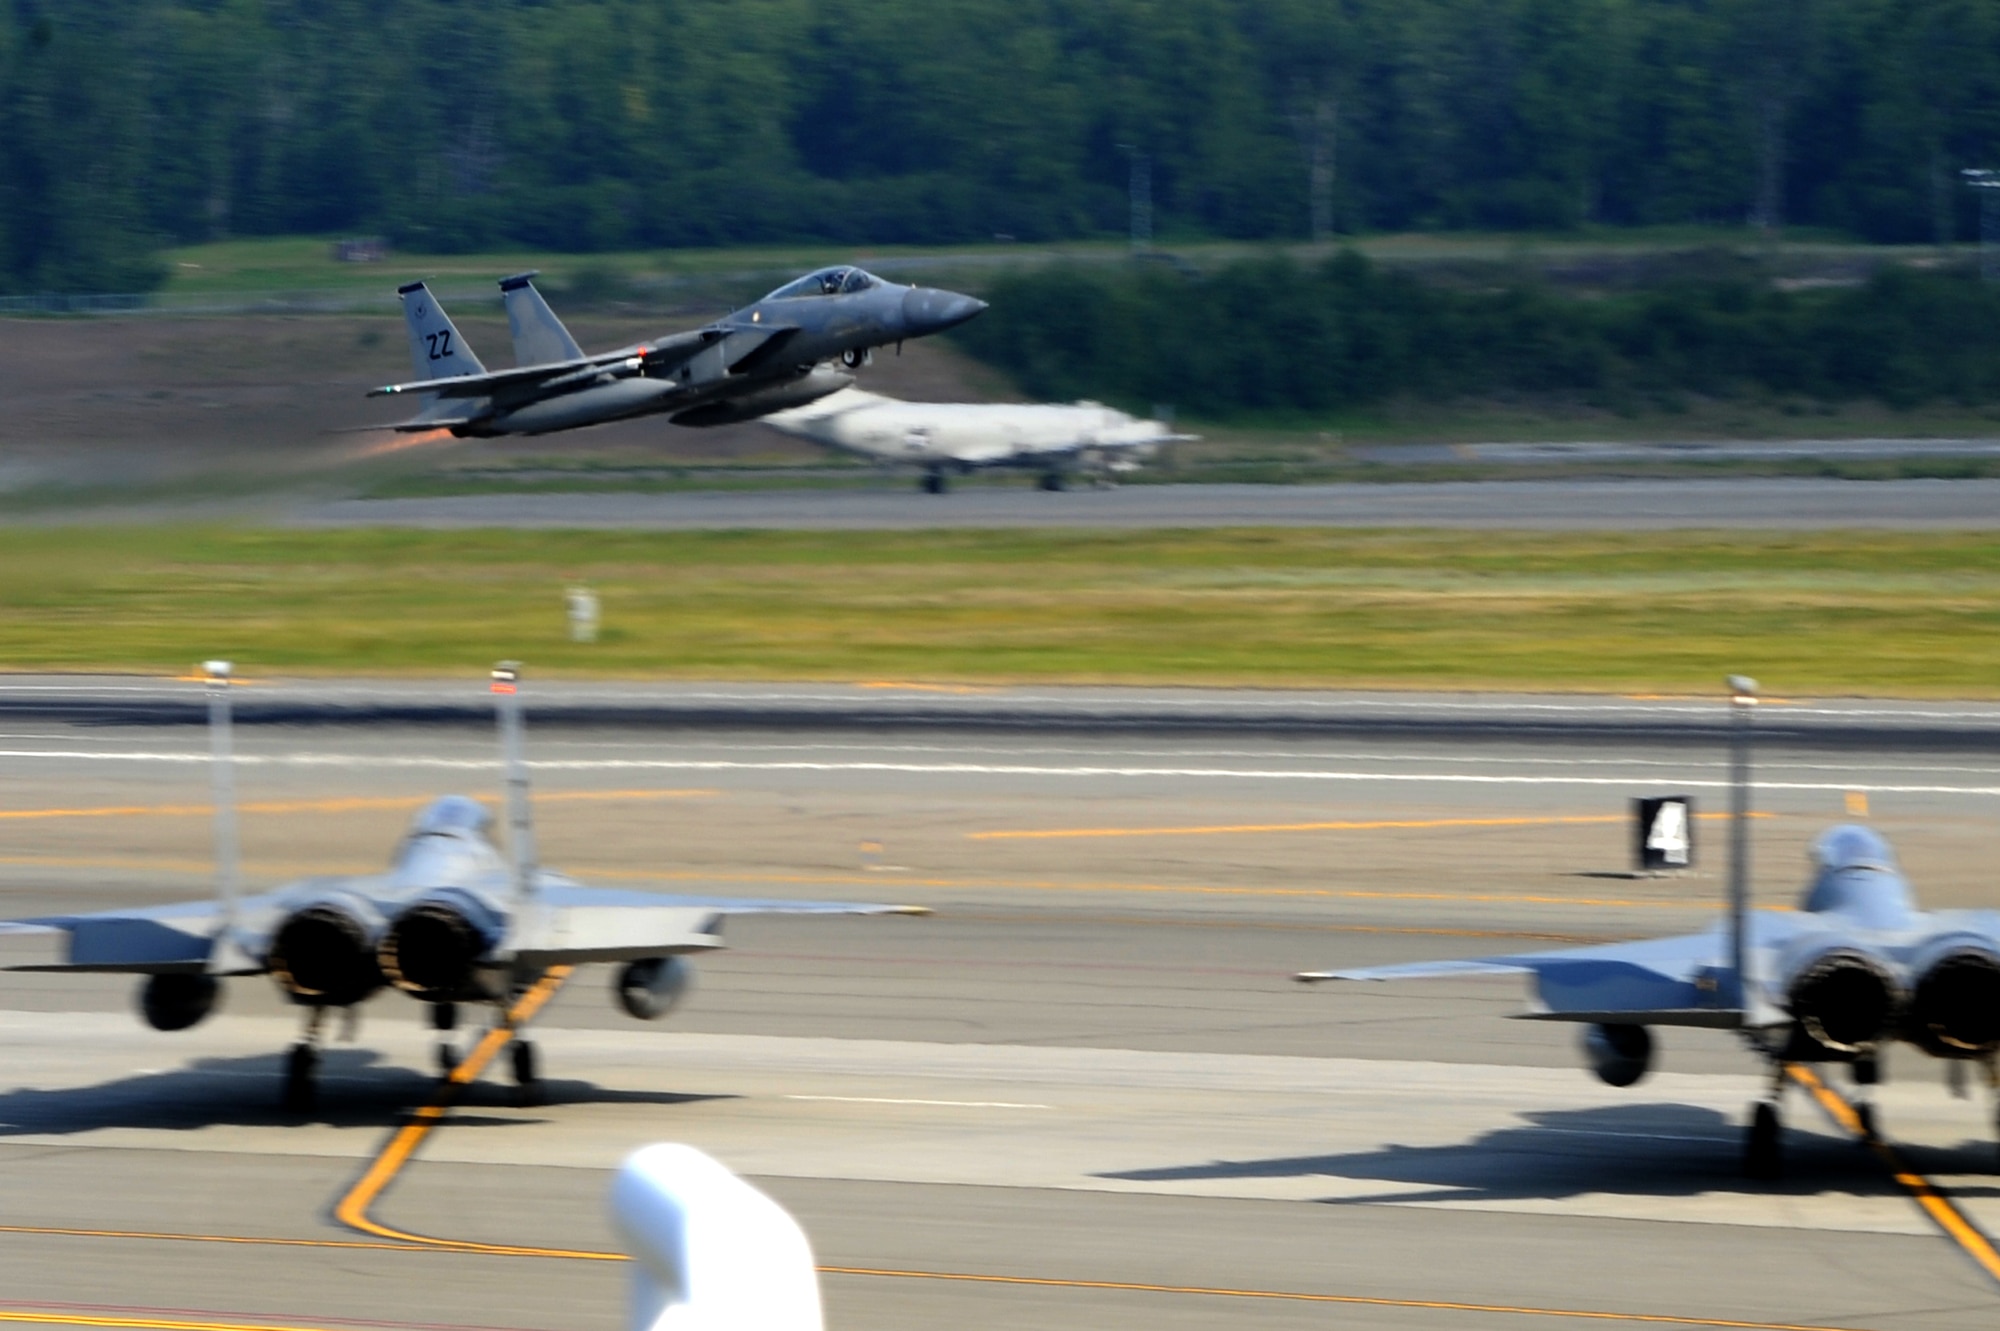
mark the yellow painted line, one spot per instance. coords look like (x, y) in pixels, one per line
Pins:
(428, 1245)
(1367, 825)
(922, 688)
(1933, 1202)
(161, 1323)
(246, 1240)
(344, 805)
(352, 1209)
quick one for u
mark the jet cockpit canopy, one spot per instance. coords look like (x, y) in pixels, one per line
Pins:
(836, 281)
(1857, 876)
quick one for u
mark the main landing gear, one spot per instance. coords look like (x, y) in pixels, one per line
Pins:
(444, 1020)
(935, 482)
(301, 1091)
(527, 1077)
(1763, 1145)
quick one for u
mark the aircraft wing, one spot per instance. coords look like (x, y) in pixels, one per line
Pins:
(574, 924)
(1675, 981)
(148, 940)
(746, 346)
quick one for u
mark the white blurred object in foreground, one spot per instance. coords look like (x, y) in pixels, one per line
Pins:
(710, 1252)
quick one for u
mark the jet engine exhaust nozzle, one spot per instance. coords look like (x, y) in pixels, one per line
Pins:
(323, 955)
(1955, 1011)
(1845, 1000)
(433, 952)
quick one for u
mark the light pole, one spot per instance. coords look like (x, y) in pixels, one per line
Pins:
(1987, 182)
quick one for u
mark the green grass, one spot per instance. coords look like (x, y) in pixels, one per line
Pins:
(1842, 613)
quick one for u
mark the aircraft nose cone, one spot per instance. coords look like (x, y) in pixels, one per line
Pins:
(928, 310)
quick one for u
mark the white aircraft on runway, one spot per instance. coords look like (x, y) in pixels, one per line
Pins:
(945, 437)
(451, 921)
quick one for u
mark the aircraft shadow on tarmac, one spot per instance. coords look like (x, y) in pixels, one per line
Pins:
(1650, 1150)
(357, 1089)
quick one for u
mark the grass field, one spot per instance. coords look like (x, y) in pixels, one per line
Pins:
(1827, 614)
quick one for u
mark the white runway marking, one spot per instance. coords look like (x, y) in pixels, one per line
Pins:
(373, 762)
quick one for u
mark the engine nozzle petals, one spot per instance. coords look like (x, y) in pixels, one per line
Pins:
(1845, 999)
(1955, 1009)
(324, 955)
(433, 951)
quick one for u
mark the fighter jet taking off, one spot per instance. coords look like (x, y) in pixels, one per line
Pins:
(1855, 968)
(762, 358)
(451, 921)
(1059, 441)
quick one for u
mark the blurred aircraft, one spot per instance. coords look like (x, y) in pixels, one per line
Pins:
(451, 921)
(945, 437)
(762, 358)
(1856, 967)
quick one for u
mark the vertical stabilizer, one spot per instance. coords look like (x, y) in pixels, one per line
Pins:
(520, 830)
(1742, 705)
(436, 349)
(539, 337)
(224, 954)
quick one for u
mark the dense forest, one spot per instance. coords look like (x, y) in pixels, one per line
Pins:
(596, 124)
(1275, 337)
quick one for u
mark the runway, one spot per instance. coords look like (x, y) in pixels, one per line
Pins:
(1084, 1093)
(1555, 505)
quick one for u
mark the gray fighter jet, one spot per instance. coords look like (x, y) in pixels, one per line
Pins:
(1856, 967)
(451, 921)
(779, 352)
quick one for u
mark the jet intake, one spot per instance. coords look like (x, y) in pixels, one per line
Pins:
(1844, 999)
(322, 955)
(176, 1002)
(433, 951)
(650, 989)
(1955, 1010)
(1619, 1055)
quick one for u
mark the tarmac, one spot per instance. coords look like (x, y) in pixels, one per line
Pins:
(1084, 1093)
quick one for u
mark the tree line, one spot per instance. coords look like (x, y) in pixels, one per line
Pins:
(1274, 337)
(602, 124)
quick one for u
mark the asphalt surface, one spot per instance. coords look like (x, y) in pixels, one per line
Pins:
(1087, 1079)
(914, 707)
(1579, 505)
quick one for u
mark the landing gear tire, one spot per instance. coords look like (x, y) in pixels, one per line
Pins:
(1054, 480)
(1763, 1150)
(447, 1058)
(1865, 1117)
(934, 483)
(527, 1079)
(301, 1092)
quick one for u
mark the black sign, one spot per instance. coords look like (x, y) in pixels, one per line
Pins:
(1663, 832)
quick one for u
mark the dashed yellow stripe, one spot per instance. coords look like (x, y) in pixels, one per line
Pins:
(1357, 825)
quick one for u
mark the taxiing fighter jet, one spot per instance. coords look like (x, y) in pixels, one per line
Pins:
(1856, 967)
(762, 358)
(1057, 440)
(451, 921)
